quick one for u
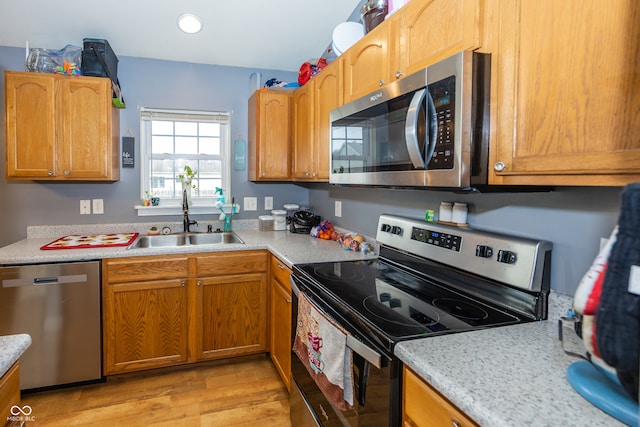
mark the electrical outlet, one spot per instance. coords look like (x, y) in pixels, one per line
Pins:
(85, 207)
(338, 208)
(250, 203)
(268, 203)
(98, 206)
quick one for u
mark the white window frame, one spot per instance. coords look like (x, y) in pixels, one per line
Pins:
(170, 206)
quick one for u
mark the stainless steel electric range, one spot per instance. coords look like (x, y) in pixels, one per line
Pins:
(429, 279)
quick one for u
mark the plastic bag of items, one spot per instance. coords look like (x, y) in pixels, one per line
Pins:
(63, 61)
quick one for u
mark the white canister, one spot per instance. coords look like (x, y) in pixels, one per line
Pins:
(445, 211)
(459, 213)
(279, 220)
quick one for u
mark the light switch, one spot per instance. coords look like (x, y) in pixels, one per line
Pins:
(98, 206)
(250, 203)
(268, 203)
(338, 208)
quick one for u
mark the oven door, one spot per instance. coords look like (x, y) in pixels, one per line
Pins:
(376, 376)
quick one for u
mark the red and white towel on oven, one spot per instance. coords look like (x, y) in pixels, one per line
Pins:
(321, 345)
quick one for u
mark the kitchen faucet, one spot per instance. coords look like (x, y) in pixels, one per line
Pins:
(186, 222)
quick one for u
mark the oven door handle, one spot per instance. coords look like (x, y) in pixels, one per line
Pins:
(366, 352)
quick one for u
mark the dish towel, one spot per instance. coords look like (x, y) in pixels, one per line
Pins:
(321, 345)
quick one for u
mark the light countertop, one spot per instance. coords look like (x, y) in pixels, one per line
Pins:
(290, 248)
(506, 376)
(11, 348)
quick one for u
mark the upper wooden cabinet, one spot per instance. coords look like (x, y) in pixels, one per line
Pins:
(312, 127)
(424, 32)
(61, 128)
(366, 64)
(417, 35)
(270, 136)
(566, 93)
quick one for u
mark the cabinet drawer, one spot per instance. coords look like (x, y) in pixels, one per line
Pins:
(231, 263)
(136, 269)
(280, 272)
(424, 406)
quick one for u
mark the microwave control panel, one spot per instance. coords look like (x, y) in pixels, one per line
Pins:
(443, 96)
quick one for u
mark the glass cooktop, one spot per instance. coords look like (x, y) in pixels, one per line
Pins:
(396, 304)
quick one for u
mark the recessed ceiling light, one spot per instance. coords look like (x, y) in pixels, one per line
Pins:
(189, 23)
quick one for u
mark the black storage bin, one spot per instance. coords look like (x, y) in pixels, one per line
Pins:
(93, 66)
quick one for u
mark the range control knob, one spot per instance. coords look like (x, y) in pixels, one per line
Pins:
(507, 257)
(484, 251)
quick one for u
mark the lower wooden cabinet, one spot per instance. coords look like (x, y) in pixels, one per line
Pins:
(280, 319)
(423, 406)
(231, 305)
(9, 393)
(168, 310)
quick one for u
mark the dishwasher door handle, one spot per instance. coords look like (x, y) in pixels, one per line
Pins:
(40, 281)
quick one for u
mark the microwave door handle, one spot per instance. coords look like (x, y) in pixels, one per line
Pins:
(411, 130)
(432, 117)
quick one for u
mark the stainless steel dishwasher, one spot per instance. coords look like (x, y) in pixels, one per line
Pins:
(59, 306)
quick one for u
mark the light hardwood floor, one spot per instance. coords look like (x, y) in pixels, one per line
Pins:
(232, 392)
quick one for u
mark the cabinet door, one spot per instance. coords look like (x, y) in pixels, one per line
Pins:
(280, 319)
(30, 103)
(84, 127)
(568, 85)
(231, 316)
(328, 96)
(366, 64)
(304, 135)
(145, 325)
(420, 36)
(424, 407)
(270, 136)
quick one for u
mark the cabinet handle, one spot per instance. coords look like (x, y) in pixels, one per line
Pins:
(454, 423)
(288, 300)
(499, 166)
(199, 283)
(67, 173)
(263, 174)
(307, 173)
(183, 283)
(399, 74)
(280, 266)
(50, 173)
(380, 82)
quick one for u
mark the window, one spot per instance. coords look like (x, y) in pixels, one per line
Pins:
(173, 139)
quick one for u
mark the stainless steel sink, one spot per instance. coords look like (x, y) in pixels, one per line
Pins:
(185, 239)
(214, 239)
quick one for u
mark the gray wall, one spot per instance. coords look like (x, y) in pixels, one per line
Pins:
(149, 83)
(574, 219)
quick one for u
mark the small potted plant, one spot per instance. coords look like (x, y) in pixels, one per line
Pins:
(186, 179)
(150, 199)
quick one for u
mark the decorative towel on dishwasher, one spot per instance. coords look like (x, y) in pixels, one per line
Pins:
(321, 345)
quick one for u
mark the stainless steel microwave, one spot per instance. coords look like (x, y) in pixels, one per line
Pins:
(429, 129)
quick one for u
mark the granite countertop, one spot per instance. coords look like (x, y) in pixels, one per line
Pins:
(289, 247)
(11, 348)
(507, 376)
